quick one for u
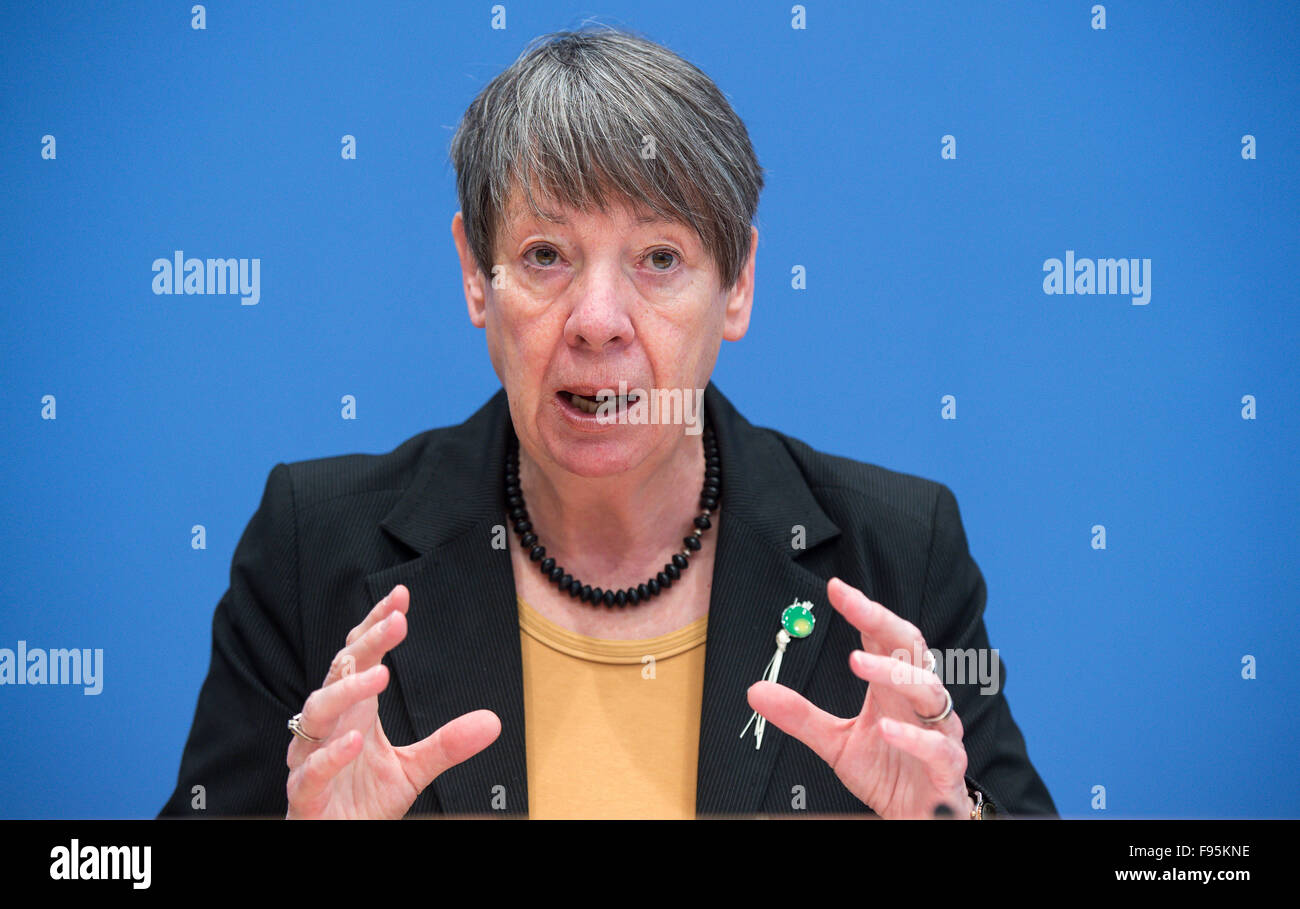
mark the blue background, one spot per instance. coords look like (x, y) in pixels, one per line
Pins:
(924, 279)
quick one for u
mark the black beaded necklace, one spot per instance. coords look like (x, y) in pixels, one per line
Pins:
(632, 595)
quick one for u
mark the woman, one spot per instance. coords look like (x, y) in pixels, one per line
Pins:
(546, 572)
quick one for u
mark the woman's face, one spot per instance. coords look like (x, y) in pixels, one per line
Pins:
(578, 306)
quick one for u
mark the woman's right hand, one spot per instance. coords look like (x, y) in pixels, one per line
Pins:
(354, 772)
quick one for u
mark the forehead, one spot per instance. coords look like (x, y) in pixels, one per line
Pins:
(518, 214)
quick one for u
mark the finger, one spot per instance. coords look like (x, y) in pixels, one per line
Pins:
(883, 632)
(399, 598)
(310, 782)
(922, 690)
(944, 759)
(452, 743)
(796, 716)
(366, 651)
(320, 715)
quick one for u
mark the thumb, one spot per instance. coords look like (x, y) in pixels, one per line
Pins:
(451, 744)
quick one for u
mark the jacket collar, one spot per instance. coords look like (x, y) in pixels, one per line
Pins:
(463, 605)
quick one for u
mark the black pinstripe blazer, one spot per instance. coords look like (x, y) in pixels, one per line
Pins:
(333, 535)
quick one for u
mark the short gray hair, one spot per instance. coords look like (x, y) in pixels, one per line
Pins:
(569, 119)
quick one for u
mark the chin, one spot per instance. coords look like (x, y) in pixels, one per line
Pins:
(607, 453)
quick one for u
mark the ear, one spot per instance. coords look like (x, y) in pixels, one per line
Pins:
(740, 299)
(472, 276)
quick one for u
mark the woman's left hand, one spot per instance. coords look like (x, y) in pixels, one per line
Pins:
(897, 765)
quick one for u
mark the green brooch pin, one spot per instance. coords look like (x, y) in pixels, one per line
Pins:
(796, 622)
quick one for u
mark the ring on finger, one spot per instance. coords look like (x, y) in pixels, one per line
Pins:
(933, 720)
(295, 726)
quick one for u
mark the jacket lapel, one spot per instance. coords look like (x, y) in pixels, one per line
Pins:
(462, 652)
(755, 576)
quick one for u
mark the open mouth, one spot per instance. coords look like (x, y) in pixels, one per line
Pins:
(591, 403)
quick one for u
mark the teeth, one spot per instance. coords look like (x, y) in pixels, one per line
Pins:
(592, 405)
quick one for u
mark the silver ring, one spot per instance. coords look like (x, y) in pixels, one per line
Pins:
(295, 726)
(932, 720)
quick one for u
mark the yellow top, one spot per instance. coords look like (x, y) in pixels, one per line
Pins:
(612, 728)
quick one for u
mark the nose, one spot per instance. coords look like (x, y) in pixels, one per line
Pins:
(600, 319)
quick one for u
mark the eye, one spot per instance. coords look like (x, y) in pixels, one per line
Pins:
(662, 259)
(547, 256)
